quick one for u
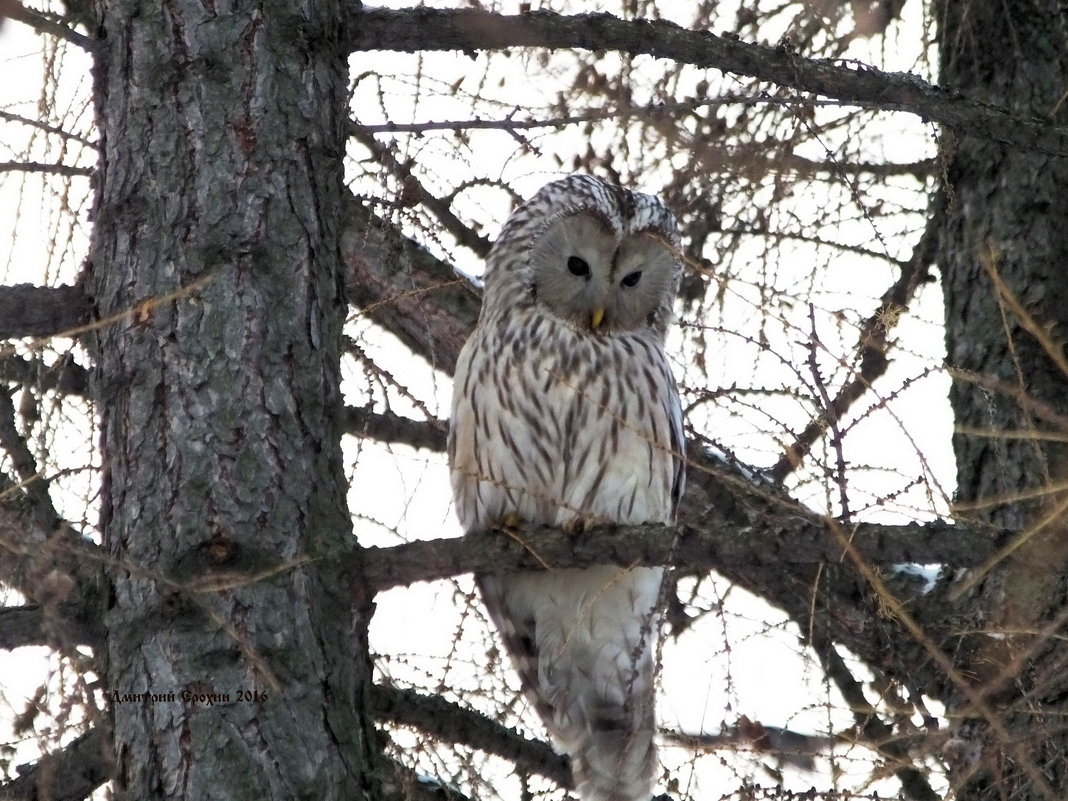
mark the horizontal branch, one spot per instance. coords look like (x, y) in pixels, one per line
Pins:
(27, 310)
(447, 721)
(44, 126)
(470, 30)
(65, 375)
(69, 625)
(68, 170)
(790, 541)
(391, 427)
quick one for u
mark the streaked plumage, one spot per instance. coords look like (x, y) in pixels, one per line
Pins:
(565, 412)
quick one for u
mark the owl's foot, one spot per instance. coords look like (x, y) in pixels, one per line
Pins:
(510, 522)
(577, 525)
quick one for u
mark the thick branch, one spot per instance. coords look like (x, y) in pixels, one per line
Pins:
(71, 624)
(405, 289)
(51, 565)
(436, 716)
(44, 24)
(33, 483)
(65, 375)
(27, 310)
(470, 30)
(391, 427)
(67, 775)
(790, 541)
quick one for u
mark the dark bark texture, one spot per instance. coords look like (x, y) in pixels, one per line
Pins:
(1003, 251)
(216, 273)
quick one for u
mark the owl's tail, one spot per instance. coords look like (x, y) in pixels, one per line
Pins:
(597, 673)
(614, 758)
(584, 642)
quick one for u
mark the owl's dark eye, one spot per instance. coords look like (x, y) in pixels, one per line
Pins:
(578, 266)
(631, 279)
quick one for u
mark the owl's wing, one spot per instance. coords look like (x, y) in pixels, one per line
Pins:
(678, 445)
(519, 638)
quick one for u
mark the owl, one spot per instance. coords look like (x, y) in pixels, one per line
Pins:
(565, 413)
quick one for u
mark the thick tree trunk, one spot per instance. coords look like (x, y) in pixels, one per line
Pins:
(1004, 256)
(216, 274)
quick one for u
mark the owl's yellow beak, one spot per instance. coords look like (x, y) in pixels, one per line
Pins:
(597, 318)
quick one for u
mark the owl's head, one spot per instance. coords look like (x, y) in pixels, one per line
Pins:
(599, 257)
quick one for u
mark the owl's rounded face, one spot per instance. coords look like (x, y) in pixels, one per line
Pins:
(594, 278)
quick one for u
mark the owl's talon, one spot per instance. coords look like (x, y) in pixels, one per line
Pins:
(510, 522)
(578, 525)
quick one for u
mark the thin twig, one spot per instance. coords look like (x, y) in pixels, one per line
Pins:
(44, 126)
(829, 415)
(36, 166)
(872, 346)
(384, 156)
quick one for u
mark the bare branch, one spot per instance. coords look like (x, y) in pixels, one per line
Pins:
(44, 24)
(872, 347)
(402, 783)
(33, 483)
(49, 563)
(436, 716)
(391, 427)
(789, 541)
(27, 310)
(788, 747)
(405, 289)
(418, 194)
(65, 375)
(75, 624)
(791, 161)
(871, 728)
(43, 126)
(471, 30)
(34, 166)
(70, 774)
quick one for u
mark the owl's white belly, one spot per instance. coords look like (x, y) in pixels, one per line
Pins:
(588, 442)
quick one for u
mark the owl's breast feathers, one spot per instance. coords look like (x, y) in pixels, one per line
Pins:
(553, 424)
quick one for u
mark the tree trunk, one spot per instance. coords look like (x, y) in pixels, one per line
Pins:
(1003, 254)
(216, 274)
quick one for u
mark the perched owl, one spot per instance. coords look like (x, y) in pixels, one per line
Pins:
(565, 413)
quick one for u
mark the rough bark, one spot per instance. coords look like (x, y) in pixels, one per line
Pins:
(1004, 246)
(223, 505)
